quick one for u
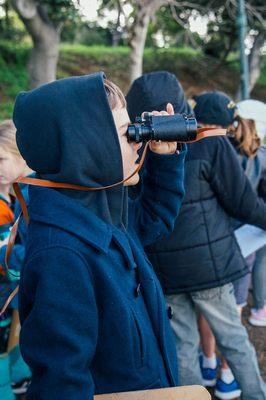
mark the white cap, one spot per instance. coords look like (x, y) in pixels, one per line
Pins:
(256, 110)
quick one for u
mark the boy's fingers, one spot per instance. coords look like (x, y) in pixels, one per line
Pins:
(163, 147)
(155, 143)
(170, 109)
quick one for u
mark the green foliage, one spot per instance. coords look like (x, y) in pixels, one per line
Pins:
(11, 27)
(262, 79)
(13, 75)
(60, 10)
(86, 33)
(173, 30)
(172, 59)
(14, 53)
(91, 51)
(222, 37)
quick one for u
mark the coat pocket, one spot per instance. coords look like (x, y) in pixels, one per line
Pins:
(157, 384)
(140, 339)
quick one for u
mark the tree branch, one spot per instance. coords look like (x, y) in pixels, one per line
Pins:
(27, 9)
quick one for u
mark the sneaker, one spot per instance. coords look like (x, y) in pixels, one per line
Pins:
(227, 391)
(21, 387)
(258, 317)
(209, 375)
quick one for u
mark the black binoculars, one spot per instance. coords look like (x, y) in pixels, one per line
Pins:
(167, 128)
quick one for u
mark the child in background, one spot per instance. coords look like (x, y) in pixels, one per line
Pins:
(14, 373)
(246, 137)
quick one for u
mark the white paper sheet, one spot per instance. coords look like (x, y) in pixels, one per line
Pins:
(250, 239)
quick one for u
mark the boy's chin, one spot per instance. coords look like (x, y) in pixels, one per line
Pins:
(132, 181)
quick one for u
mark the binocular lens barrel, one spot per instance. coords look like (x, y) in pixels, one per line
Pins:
(168, 128)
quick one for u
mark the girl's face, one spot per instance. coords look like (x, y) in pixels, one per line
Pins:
(11, 166)
(129, 151)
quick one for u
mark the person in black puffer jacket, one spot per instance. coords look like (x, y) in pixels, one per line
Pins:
(198, 261)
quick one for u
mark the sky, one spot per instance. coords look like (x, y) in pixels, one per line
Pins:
(89, 9)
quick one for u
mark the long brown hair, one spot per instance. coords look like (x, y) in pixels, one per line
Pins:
(114, 94)
(246, 136)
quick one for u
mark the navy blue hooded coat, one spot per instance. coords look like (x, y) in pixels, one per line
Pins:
(92, 311)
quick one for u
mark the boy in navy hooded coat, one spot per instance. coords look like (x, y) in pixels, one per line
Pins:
(92, 311)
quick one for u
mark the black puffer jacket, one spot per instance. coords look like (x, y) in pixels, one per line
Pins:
(202, 252)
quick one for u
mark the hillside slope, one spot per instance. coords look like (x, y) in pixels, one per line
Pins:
(195, 71)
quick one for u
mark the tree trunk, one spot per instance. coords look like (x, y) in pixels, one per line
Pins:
(116, 38)
(7, 19)
(137, 42)
(117, 34)
(255, 58)
(145, 10)
(254, 63)
(44, 57)
(45, 36)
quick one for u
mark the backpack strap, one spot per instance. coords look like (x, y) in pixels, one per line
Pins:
(9, 248)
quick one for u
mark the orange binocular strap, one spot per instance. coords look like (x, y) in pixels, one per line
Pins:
(201, 134)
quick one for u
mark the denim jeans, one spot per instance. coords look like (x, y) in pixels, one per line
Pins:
(241, 286)
(218, 306)
(259, 279)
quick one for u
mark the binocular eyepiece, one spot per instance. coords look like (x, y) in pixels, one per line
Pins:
(168, 128)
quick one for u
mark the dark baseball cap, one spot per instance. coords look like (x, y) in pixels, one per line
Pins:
(214, 108)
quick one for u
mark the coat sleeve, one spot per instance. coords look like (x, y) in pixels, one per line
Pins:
(16, 257)
(18, 252)
(262, 187)
(59, 325)
(15, 263)
(154, 212)
(233, 189)
(262, 183)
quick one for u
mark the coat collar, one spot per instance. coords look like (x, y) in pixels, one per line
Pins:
(51, 207)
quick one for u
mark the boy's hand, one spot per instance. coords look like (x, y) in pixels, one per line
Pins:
(164, 147)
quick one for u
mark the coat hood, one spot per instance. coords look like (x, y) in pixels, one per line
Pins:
(153, 91)
(66, 133)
